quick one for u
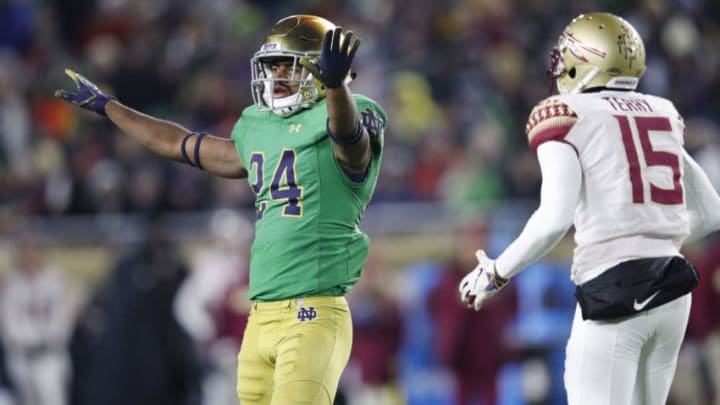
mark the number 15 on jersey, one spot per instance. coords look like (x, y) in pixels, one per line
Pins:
(638, 176)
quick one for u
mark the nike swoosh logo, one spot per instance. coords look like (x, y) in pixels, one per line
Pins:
(638, 306)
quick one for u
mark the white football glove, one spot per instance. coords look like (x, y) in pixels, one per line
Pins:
(481, 283)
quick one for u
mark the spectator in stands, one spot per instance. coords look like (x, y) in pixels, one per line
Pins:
(471, 344)
(128, 347)
(37, 310)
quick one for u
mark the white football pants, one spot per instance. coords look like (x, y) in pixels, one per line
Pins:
(630, 361)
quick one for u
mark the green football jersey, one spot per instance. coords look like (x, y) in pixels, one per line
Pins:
(307, 239)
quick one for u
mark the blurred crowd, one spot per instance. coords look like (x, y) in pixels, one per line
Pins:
(458, 79)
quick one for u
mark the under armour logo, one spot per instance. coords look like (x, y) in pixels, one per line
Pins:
(294, 128)
(306, 314)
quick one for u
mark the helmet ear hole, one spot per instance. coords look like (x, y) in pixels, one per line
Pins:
(572, 73)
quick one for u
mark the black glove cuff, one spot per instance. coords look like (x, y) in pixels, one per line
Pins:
(103, 103)
(334, 85)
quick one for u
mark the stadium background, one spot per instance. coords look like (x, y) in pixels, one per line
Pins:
(458, 79)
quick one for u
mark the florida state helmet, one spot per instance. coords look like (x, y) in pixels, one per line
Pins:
(597, 50)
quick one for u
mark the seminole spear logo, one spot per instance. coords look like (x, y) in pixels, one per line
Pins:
(576, 47)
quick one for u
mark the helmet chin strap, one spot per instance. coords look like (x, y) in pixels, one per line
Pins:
(285, 112)
(284, 106)
(585, 80)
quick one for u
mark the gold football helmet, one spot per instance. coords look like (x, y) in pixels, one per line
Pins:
(597, 50)
(290, 39)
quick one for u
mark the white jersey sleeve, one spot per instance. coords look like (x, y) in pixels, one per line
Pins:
(630, 148)
(561, 182)
(703, 202)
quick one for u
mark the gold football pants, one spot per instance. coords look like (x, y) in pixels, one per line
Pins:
(294, 351)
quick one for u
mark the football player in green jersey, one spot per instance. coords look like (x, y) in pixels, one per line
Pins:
(311, 151)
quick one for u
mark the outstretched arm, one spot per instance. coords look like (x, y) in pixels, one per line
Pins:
(211, 153)
(559, 195)
(170, 140)
(560, 191)
(351, 144)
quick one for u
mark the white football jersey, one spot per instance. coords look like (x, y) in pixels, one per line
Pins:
(632, 202)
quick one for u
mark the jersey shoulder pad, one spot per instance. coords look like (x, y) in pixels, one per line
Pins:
(551, 119)
(364, 102)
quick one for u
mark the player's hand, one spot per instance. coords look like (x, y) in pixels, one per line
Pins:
(481, 283)
(87, 96)
(335, 59)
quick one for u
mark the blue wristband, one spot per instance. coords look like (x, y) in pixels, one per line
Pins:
(341, 141)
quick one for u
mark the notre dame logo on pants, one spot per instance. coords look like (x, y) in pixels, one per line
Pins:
(294, 351)
(306, 314)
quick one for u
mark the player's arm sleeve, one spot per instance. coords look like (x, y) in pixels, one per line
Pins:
(703, 202)
(550, 120)
(373, 120)
(559, 195)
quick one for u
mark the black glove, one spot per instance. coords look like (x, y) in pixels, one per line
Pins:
(335, 59)
(88, 96)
